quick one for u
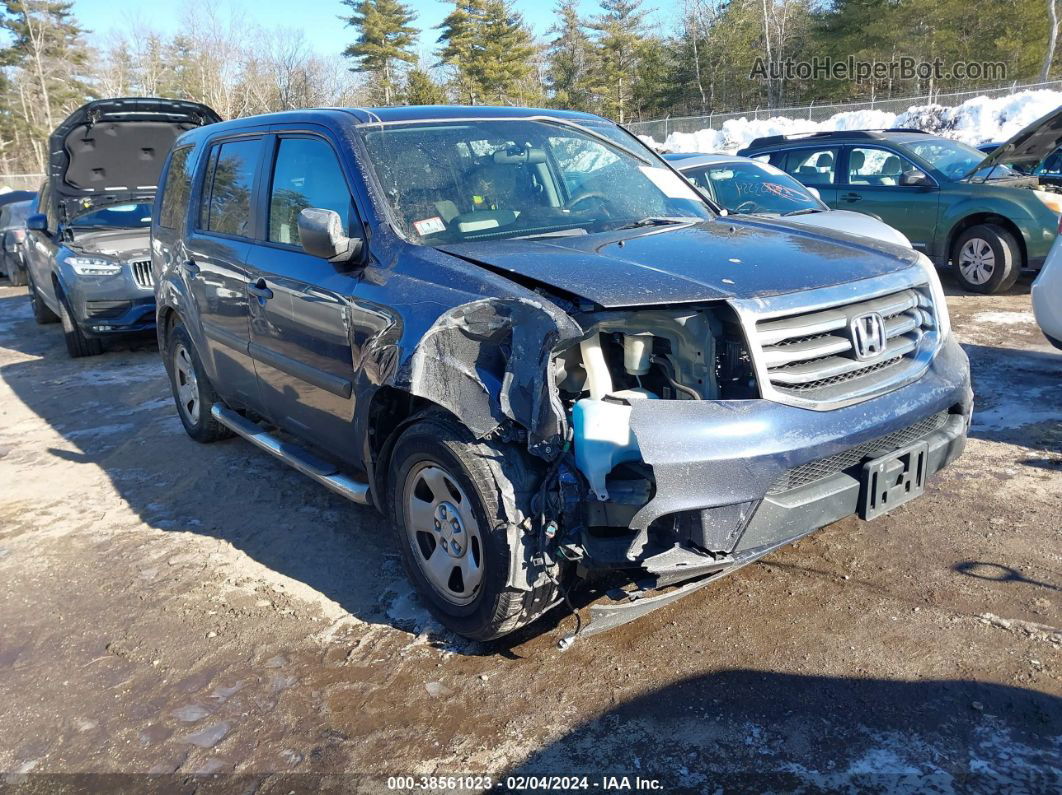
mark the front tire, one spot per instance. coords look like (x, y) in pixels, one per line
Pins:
(41, 313)
(77, 344)
(443, 506)
(192, 391)
(987, 259)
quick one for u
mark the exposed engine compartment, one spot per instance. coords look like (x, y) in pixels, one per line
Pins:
(686, 353)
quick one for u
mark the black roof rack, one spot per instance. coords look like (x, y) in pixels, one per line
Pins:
(770, 140)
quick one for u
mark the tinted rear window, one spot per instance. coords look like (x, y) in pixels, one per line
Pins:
(226, 207)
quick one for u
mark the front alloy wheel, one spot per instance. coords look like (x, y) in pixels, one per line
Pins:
(442, 494)
(976, 261)
(987, 259)
(443, 533)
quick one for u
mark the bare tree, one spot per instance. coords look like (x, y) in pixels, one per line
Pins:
(1052, 36)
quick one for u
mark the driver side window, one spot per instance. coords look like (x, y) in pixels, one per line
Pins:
(306, 174)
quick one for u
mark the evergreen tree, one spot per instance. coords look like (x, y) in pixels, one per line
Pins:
(385, 38)
(569, 60)
(420, 89)
(620, 31)
(49, 59)
(490, 49)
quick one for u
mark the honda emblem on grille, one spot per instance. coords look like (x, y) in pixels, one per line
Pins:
(868, 335)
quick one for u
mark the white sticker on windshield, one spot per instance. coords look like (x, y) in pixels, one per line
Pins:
(429, 226)
(670, 183)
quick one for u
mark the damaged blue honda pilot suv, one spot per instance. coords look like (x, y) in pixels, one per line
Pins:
(541, 353)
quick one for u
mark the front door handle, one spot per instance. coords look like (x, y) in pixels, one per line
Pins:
(851, 197)
(259, 290)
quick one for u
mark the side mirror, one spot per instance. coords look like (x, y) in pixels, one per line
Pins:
(321, 234)
(814, 192)
(914, 179)
(38, 222)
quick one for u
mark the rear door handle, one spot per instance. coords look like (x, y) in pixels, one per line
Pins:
(259, 290)
(851, 197)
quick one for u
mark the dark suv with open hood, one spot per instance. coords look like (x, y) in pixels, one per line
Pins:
(956, 204)
(541, 353)
(87, 256)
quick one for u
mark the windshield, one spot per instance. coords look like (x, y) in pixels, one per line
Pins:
(496, 179)
(120, 216)
(751, 187)
(954, 159)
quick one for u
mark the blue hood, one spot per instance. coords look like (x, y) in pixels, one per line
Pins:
(713, 260)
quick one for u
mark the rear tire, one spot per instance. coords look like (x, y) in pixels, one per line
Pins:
(77, 344)
(987, 259)
(192, 391)
(442, 500)
(41, 313)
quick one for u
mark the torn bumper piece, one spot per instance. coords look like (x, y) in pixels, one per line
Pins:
(626, 606)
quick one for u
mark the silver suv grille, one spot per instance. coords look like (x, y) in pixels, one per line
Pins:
(142, 273)
(808, 348)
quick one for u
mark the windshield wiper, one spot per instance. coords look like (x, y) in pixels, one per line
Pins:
(803, 211)
(657, 220)
(573, 232)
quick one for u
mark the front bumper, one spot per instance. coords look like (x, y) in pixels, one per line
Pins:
(720, 460)
(719, 465)
(107, 305)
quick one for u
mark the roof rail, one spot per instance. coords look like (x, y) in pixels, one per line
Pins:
(770, 140)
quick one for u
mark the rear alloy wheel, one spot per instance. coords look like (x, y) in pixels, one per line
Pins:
(77, 344)
(987, 259)
(192, 391)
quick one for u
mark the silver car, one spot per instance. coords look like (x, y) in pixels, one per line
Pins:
(743, 186)
(88, 247)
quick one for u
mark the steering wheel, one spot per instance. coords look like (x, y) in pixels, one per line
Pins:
(746, 207)
(585, 196)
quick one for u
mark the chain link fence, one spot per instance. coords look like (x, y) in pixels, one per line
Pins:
(659, 129)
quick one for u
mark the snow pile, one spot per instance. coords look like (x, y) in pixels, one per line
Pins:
(976, 121)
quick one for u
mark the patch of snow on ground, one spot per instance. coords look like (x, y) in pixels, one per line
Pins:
(1005, 318)
(976, 121)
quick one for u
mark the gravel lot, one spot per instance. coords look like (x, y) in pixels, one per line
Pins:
(167, 607)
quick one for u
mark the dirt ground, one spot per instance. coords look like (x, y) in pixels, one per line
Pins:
(172, 608)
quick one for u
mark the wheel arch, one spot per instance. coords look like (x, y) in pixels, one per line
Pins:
(975, 219)
(391, 410)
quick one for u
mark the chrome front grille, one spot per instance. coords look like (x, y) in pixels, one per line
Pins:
(142, 273)
(808, 350)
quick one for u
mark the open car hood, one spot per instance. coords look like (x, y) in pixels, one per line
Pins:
(111, 151)
(1029, 146)
(714, 260)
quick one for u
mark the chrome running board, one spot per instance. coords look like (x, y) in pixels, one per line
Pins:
(294, 456)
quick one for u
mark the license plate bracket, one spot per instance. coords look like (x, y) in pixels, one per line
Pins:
(892, 480)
